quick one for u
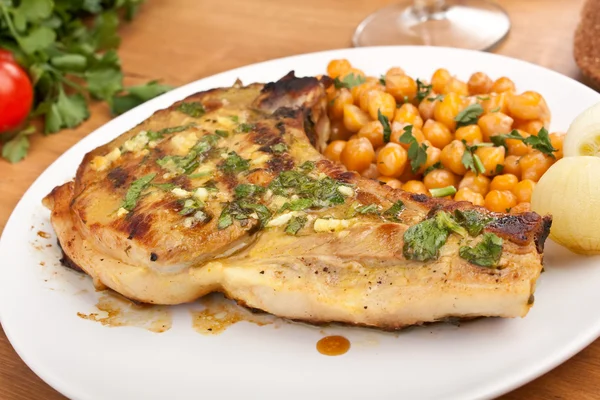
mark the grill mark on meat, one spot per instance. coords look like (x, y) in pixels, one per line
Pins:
(288, 86)
(285, 112)
(420, 198)
(229, 180)
(280, 163)
(266, 136)
(212, 104)
(521, 228)
(137, 224)
(118, 176)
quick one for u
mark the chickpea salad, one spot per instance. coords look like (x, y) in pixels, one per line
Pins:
(480, 141)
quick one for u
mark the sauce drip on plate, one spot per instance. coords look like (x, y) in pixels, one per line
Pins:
(115, 310)
(220, 313)
(333, 345)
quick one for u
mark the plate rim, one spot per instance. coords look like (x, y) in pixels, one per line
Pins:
(498, 387)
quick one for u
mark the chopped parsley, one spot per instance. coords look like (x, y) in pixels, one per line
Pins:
(245, 190)
(322, 192)
(368, 209)
(493, 110)
(222, 133)
(540, 142)
(486, 253)
(382, 79)
(471, 160)
(245, 128)
(279, 148)
(483, 98)
(135, 190)
(385, 122)
(469, 115)
(423, 90)
(190, 206)
(234, 118)
(393, 212)
(200, 175)
(439, 97)
(242, 210)
(155, 135)
(307, 166)
(189, 162)
(423, 241)
(193, 109)
(417, 154)
(234, 164)
(473, 221)
(295, 224)
(348, 81)
(297, 205)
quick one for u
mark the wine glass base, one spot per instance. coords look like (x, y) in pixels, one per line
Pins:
(467, 24)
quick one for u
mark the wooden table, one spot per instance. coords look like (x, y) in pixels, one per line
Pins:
(180, 41)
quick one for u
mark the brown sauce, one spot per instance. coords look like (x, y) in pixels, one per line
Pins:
(115, 310)
(220, 313)
(333, 345)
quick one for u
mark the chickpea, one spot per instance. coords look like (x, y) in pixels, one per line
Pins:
(391, 160)
(354, 118)
(415, 187)
(534, 165)
(439, 178)
(493, 124)
(408, 114)
(381, 102)
(398, 131)
(437, 133)
(451, 157)
(516, 147)
(333, 151)
(531, 127)
(503, 84)
(394, 71)
(371, 172)
(353, 71)
(526, 106)
(358, 154)
(335, 68)
(500, 201)
(456, 86)
(336, 110)
(357, 91)
(495, 103)
(479, 83)
(427, 106)
(512, 166)
(439, 80)
(557, 139)
(392, 182)
(373, 131)
(401, 87)
(466, 194)
(365, 96)
(446, 110)
(433, 156)
(491, 157)
(504, 182)
(338, 130)
(477, 183)
(523, 190)
(470, 134)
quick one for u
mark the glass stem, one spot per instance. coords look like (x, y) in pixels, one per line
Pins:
(429, 9)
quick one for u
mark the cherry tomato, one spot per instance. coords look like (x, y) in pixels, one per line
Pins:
(16, 93)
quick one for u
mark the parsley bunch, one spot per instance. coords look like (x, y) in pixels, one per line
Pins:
(68, 48)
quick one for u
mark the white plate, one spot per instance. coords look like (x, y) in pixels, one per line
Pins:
(480, 359)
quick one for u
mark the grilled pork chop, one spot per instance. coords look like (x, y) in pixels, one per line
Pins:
(227, 191)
